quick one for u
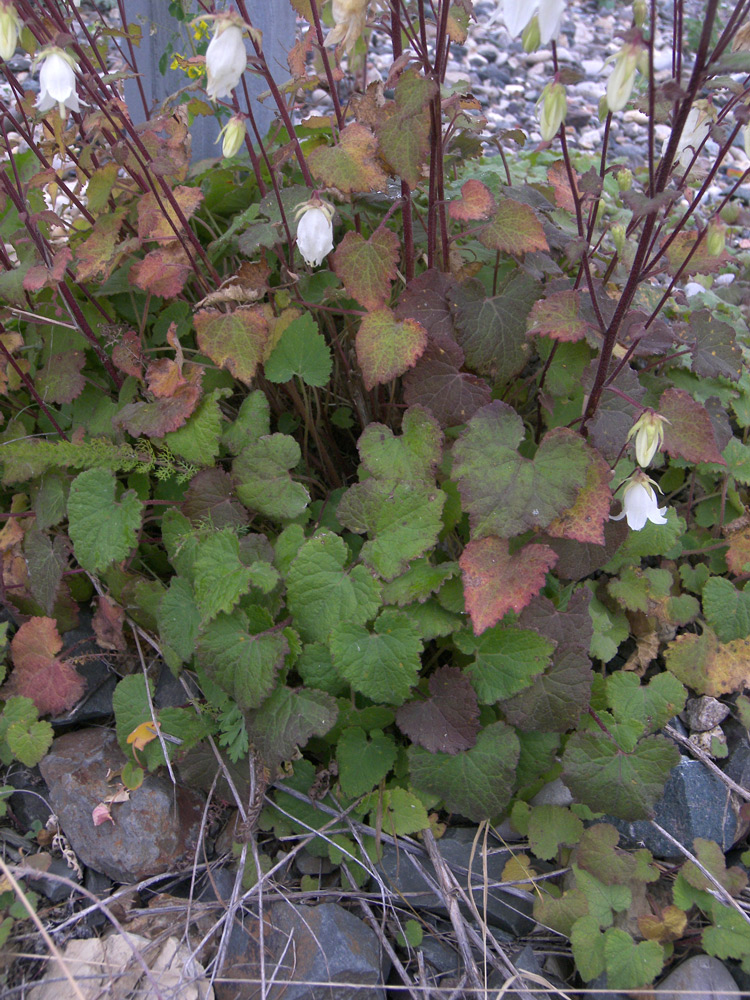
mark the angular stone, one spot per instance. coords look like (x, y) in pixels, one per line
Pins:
(705, 713)
(154, 832)
(509, 909)
(303, 945)
(696, 803)
(700, 976)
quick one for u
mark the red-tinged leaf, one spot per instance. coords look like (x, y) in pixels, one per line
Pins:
(586, 519)
(689, 434)
(387, 348)
(158, 219)
(37, 277)
(107, 625)
(558, 316)
(210, 498)
(557, 175)
(163, 271)
(701, 261)
(514, 229)
(447, 721)
(235, 341)
(496, 582)
(98, 252)
(352, 164)
(157, 418)
(427, 300)
(368, 267)
(38, 673)
(452, 396)
(127, 355)
(60, 379)
(476, 202)
(716, 351)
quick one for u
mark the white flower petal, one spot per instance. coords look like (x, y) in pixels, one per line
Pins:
(517, 14)
(315, 236)
(550, 19)
(226, 60)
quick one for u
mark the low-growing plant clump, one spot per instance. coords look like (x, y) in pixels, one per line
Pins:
(415, 463)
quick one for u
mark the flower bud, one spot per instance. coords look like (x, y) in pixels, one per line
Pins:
(226, 59)
(622, 78)
(554, 107)
(716, 238)
(624, 179)
(9, 27)
(530, 37)
(648, 431)
(640, 10)
(57, 82)
(618, 238)
(315, 231)
(234, 135)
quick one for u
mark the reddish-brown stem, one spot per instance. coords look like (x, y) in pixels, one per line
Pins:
(31, 390)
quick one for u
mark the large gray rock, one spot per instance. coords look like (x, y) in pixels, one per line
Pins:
(303, 945)
(510, 909)
(156, 831)
(696, 803)
(700, 976)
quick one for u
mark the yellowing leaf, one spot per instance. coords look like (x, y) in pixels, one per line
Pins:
(387, 348)
(707, 665)
(352, 164)
(142, 735)
(514, 229)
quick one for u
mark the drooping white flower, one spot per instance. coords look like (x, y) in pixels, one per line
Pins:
(648, 431)
(639, 503)
(622, 78)
(697, 124)
(232, 136)
(10, 25)
(518, 13)
(57, 82)
(550, 19)
(349, 23)
(315, 231)
(226, 59)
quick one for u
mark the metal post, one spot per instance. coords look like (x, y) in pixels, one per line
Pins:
(275, 18)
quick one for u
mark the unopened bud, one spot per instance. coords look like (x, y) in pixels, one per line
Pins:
(624, 179)
(234, 135)
(715, 238)
(531, 37)
(554, 107)
(618, 238)
(9, 27)
(622, 78)
(648, 431)
(640, 10)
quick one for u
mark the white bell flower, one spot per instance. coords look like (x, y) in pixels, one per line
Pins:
(226, 60)
(315, 232)
(518, 13)
(57, 82)
(9, 27)
(349, 23)
(639, 503)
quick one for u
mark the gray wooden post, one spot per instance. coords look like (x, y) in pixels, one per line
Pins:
(275, 18)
